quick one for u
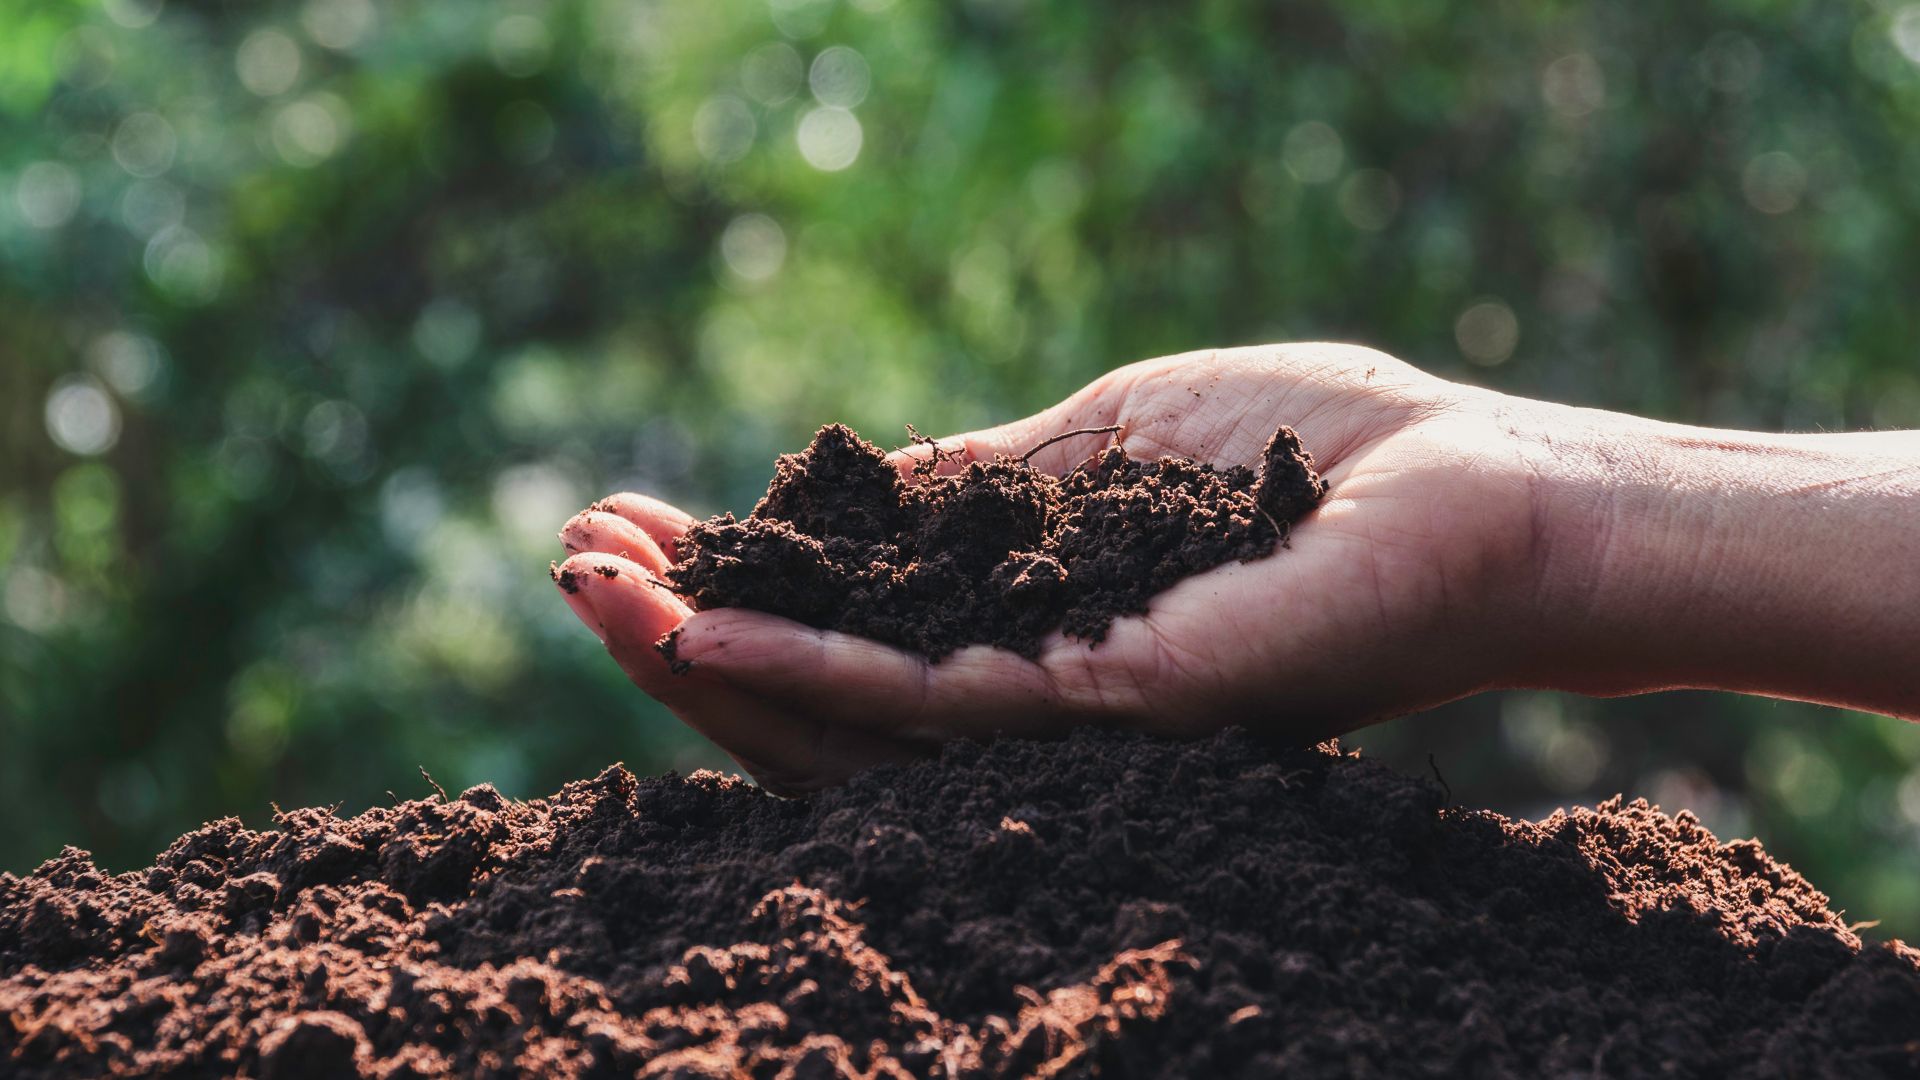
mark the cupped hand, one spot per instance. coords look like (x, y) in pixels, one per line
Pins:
(1396, 594)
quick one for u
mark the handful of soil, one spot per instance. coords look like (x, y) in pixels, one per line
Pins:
(998, 553)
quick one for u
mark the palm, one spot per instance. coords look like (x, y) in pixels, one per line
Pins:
(1376, 573)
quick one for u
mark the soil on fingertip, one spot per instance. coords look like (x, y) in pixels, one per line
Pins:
(1110, 905)
(997, 553)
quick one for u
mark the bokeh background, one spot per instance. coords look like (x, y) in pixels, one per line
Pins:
(318, 318)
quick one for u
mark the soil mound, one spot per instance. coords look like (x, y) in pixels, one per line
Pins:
(998, 553)
(1109, 905)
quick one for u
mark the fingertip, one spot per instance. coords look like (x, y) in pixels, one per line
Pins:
(611, 534)
(621, 601)
(570, 579)
(662, 521)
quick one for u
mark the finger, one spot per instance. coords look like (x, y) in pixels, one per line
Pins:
(977, 692)
(627, 607)
(662, 521)
(790, 754)
(598, 530)
(1084, 410)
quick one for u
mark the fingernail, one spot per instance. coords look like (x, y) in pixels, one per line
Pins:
(573, 535)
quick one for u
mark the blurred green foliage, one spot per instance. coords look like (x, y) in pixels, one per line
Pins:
(318, 318)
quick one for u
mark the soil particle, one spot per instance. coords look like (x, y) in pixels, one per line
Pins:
(314, 1046)
(997, 553)
(1108, 905)
(669, 648)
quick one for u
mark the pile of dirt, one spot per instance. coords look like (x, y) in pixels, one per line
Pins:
(996, 553)
(1109, 904)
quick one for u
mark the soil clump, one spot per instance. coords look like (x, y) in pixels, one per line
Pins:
(997, 553)
(1109, 905)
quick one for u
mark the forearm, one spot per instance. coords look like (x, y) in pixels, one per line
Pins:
(1785, 565)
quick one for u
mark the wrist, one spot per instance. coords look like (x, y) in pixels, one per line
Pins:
(1679, 557)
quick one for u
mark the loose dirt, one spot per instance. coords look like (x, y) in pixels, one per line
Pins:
(1109, 905)
(996, 553)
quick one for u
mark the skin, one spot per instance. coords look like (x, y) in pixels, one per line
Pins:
(1470, 541)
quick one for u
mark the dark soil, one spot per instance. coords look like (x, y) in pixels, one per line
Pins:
(1110, 905)
(998, 553)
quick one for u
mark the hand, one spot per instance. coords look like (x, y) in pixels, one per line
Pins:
(1391, 597)
(1469, 541)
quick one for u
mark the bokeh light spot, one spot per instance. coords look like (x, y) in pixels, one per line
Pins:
(35, 600)
(133, 14)
(129, 362)
(447, 331)
(144, 144)
(1801, 774)
(1487, 332)
(1774, 182)
(183, 265)
(800, 19)
(1569, 751)
(48, 194)
(1369, 199)
(81, 416)
(262, 702)
(148, 206)
(753, 247)
(337, 24)
(334, 431)
(520, 45)
(771, 74)
(411, 505)
(86, 57)
(1908, 798)
(309, 131)
(830, 138)
(1574, 86)
(840, 77)
(723, 129)
(531, 501)
(1905, 32)
(268, 63)
(1313, 152)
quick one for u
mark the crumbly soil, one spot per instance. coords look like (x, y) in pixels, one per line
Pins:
(1110, 905)
(997, 553)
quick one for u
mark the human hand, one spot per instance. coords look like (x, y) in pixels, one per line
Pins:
(1469, 541)
(1387, 602)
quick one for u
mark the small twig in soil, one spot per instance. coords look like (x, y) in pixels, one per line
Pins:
(435, 783)
(1285, 535)
(658, 584)
(1051, 439)
(1448, 788)
(925, 467)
